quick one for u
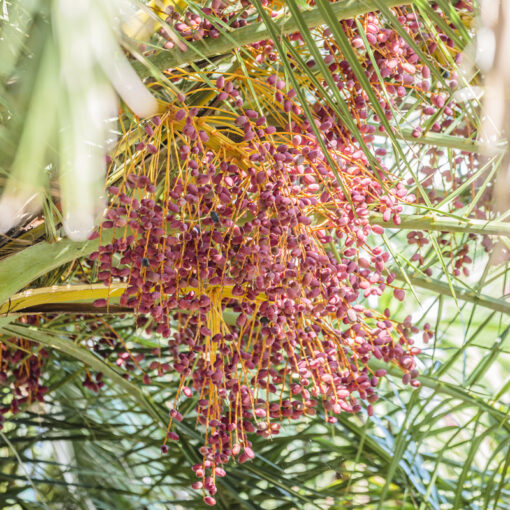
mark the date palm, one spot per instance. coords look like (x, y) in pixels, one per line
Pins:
(94, 361)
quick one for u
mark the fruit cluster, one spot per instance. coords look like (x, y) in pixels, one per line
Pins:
(255, 269)
(241, 231)
(21, 365)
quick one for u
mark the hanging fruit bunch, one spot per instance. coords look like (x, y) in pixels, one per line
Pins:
(241, 231)
(21, 368)
(254, 236)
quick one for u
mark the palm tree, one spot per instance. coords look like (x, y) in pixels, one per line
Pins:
(360, 116)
